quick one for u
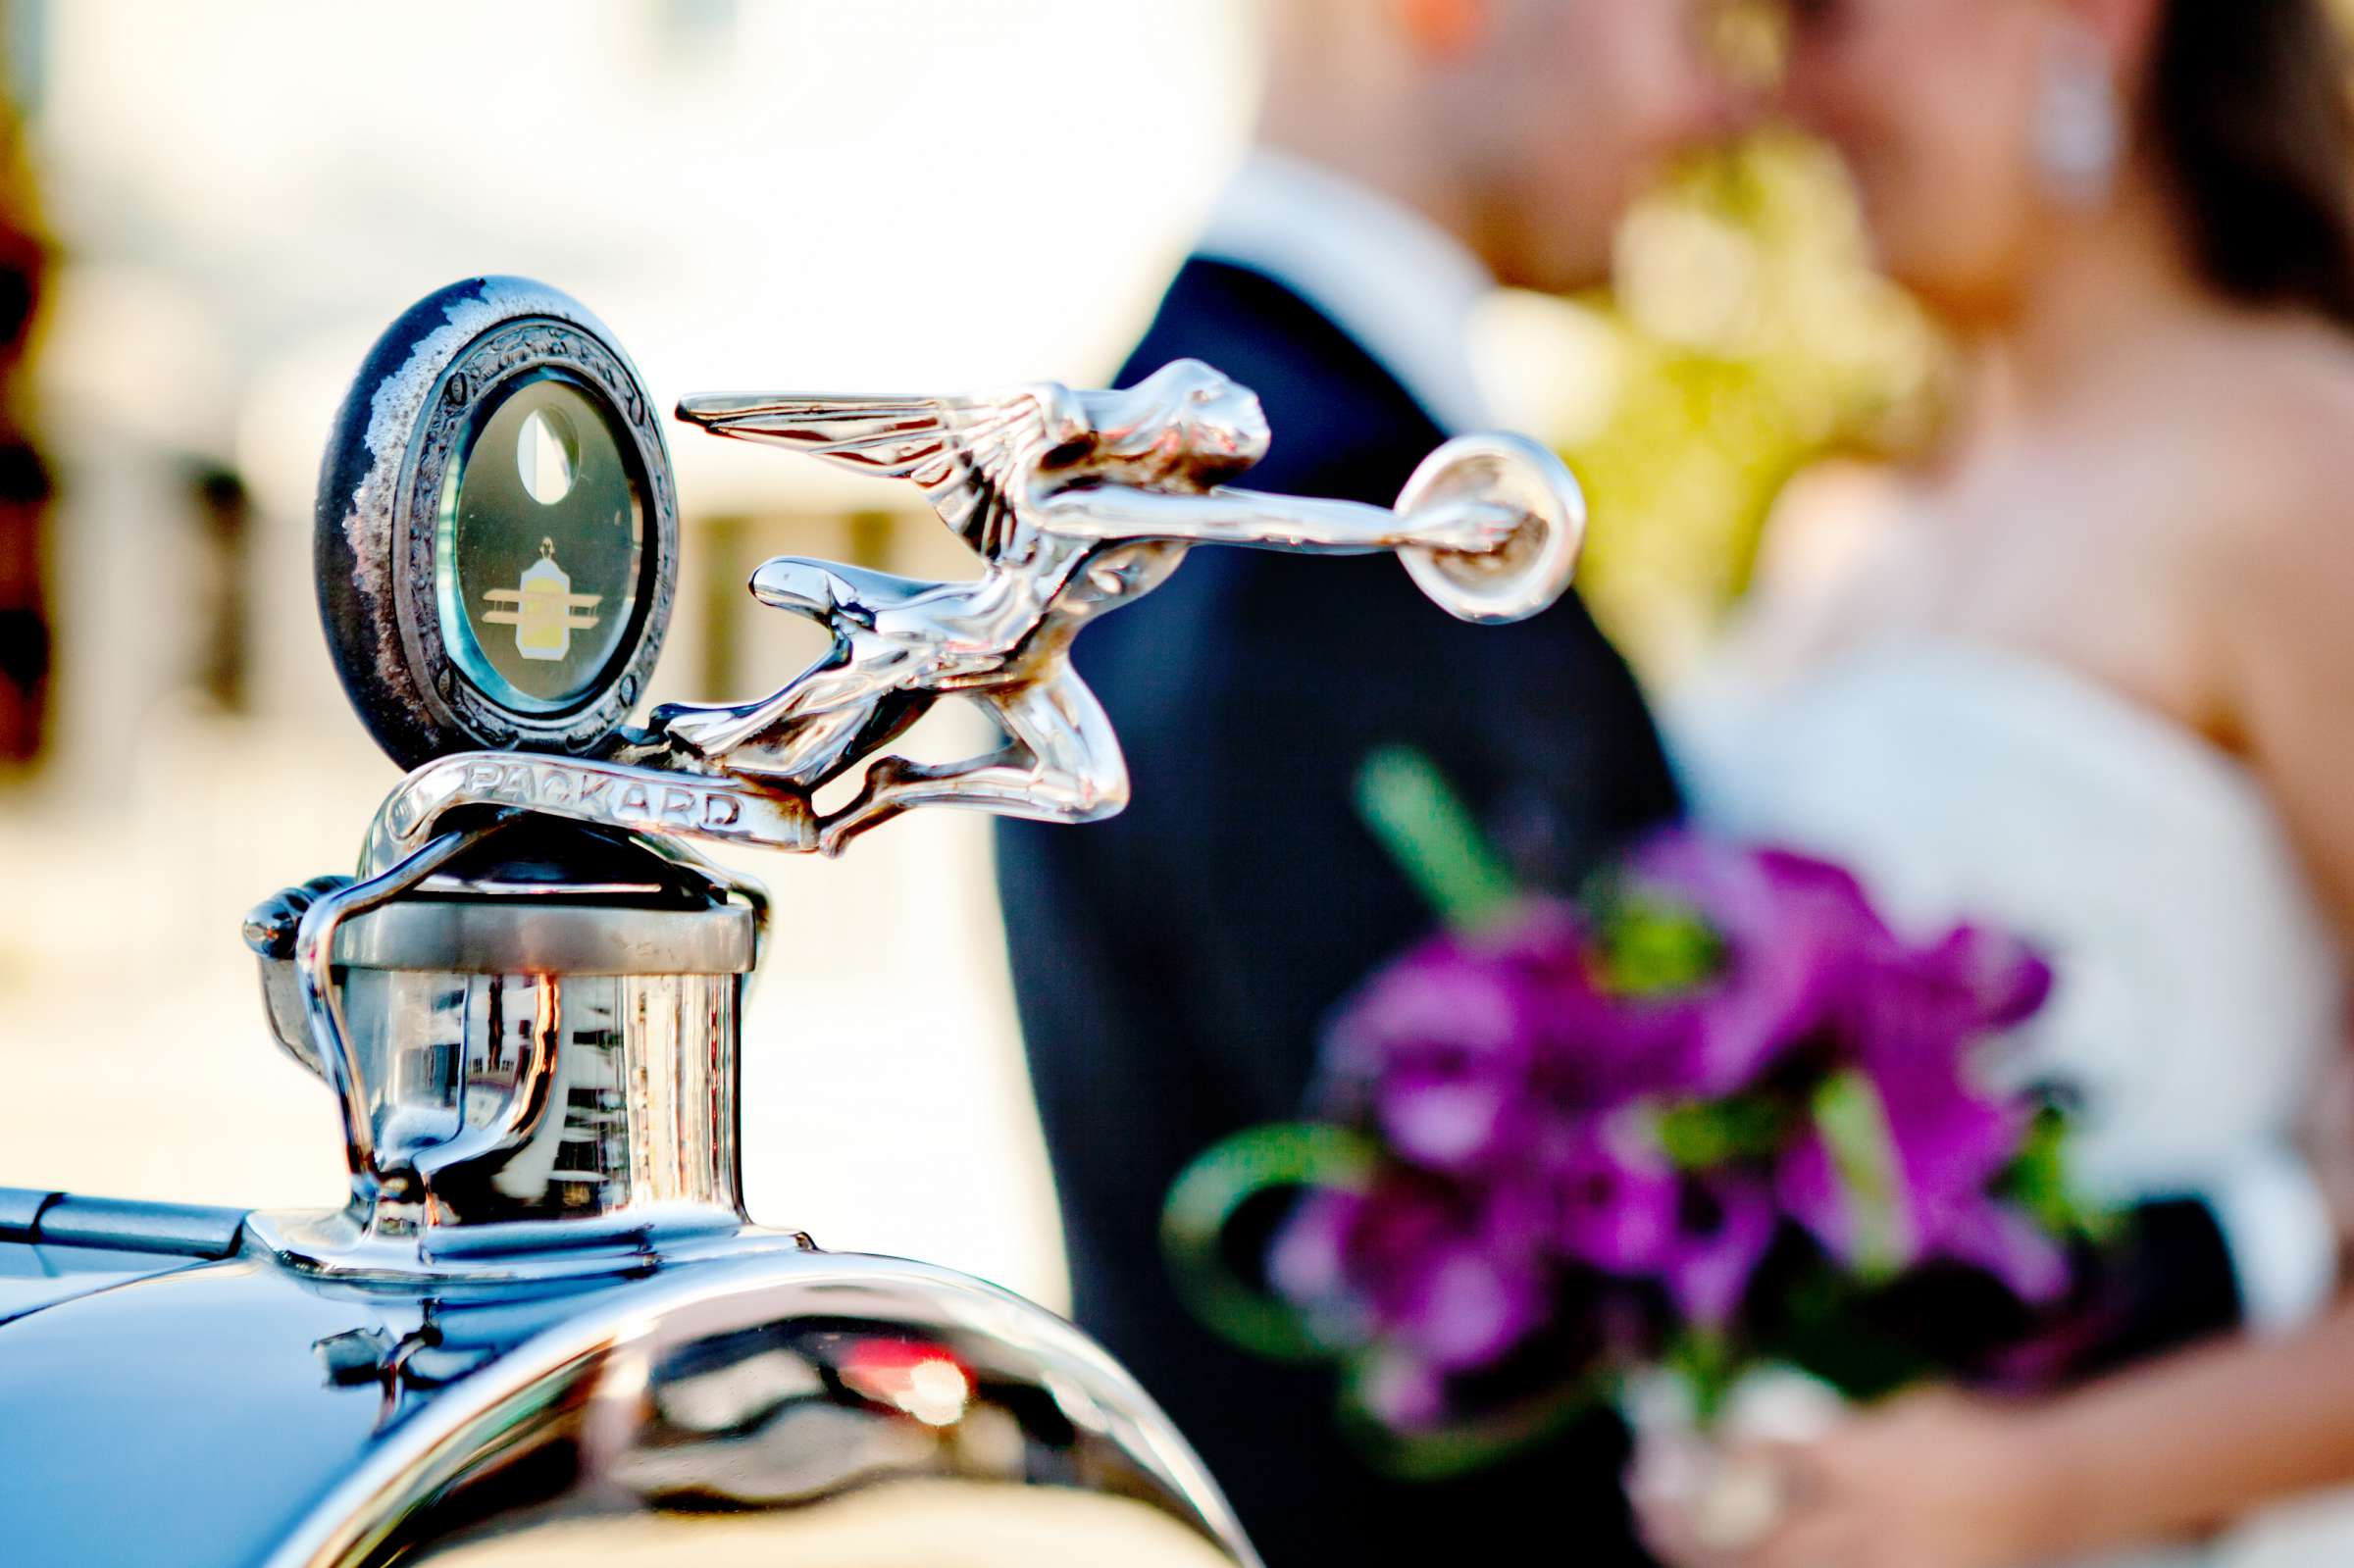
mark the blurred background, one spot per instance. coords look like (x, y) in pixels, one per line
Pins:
(210, 212)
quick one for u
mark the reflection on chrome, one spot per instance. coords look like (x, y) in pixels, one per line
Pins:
(804, 1408)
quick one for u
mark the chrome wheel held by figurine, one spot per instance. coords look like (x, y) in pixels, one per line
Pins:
(542, 1328)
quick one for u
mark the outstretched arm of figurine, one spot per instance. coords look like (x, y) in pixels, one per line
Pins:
(1061, 762)
(1113, 512)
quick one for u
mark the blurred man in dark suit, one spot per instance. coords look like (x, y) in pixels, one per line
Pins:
(1172, 965)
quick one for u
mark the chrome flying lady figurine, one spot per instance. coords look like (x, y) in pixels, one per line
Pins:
(1077, 503)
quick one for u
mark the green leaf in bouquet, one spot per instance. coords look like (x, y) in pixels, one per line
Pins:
(1823, 1324)
(1710, 1363)
(1854, 1126)
(1707, 1134)
(1646, 947)
(1465, 1445)
(1205, 1200)
(2040, 1182)
(1431, 833)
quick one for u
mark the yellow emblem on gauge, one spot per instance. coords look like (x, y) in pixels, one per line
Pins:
(542, 609)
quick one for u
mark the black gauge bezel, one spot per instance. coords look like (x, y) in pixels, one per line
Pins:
(420, 399)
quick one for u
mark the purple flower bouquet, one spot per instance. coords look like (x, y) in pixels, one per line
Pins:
(1713, 1115)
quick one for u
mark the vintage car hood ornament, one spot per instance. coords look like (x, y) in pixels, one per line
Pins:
(1077, 503)
(543, 1321)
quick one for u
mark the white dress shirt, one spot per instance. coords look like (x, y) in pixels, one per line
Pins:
(1404, 288)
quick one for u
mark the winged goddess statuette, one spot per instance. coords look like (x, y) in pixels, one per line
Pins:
(1077, 502)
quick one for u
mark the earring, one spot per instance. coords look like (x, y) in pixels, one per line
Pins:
(2079, 119)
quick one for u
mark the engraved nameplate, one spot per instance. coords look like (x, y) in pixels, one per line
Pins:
(609, 794)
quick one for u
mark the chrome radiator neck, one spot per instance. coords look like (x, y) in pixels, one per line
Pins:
(532, 1029)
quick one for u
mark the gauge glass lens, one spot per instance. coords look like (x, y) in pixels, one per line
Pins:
(540, 549)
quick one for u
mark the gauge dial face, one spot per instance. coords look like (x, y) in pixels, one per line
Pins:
(540, 554)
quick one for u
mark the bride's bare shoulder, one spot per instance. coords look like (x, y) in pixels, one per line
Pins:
(2278, 415)
(2273, 562)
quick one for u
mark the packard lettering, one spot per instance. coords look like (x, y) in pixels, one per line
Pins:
(590, 792)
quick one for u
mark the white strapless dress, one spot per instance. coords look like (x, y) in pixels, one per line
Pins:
(2198, 984)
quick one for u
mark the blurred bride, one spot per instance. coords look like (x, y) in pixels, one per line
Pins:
(2094, 679)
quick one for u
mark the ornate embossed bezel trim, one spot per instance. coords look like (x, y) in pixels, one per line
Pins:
(475, 380)
(416, 402)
